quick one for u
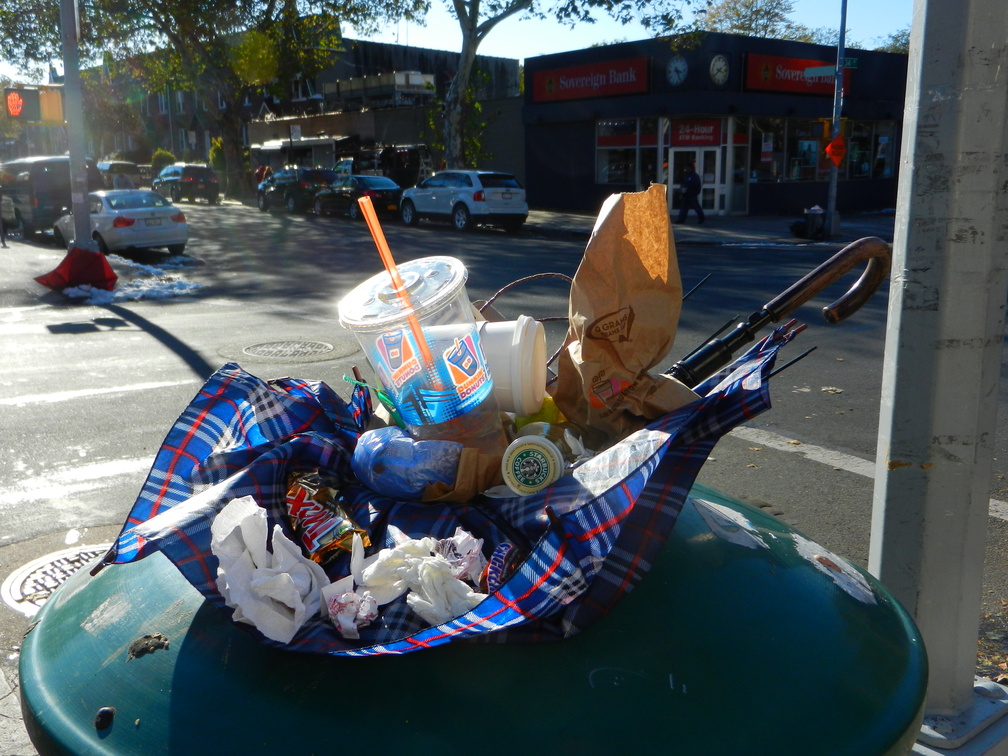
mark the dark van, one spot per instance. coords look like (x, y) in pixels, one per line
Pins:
(35, 191)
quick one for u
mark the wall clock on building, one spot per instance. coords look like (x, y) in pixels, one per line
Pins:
(675, 71)
(719, 69)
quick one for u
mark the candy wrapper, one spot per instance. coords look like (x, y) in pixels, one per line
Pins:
(323, 526)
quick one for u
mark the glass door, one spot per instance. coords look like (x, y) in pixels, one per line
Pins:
(706, 161)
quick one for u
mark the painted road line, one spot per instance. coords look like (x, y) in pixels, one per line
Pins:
(839, 460)
(68, 482)
(65, 396)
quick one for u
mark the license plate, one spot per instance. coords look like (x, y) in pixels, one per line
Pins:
(200, 186)
(390, 206)
(506, 195)
(153, 221)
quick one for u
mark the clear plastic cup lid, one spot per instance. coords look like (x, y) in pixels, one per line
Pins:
(429, 283)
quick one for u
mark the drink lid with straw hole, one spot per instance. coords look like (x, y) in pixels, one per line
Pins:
(430, 284)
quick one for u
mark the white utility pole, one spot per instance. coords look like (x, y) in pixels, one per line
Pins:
(943, 352)
(74, 116)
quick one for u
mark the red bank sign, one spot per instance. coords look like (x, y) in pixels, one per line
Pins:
(775, 74)
(616, 77)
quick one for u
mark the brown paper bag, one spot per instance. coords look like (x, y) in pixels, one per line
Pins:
(624, 311)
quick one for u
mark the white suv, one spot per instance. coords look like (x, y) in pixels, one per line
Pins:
(467, 198)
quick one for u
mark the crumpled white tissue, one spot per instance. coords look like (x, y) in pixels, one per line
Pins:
(275, 592)
(417, 565)
(348, 609)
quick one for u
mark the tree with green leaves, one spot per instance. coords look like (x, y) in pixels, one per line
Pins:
(221, 46)
(770, 19)
(478, 18)
(228, 45)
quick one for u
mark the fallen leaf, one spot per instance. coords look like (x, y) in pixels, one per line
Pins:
(831, 390)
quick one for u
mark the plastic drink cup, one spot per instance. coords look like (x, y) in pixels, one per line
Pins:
(449, 396)
(516, 353)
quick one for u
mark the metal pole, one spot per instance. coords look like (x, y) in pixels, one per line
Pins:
(69, 27)
(831, 201)
(943, 349)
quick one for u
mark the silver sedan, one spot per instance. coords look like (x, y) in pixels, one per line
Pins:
(128, 218)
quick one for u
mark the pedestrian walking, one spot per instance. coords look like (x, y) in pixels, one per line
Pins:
(690, 186)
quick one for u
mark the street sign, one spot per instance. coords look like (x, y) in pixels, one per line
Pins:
(850, 62)
(818, 71)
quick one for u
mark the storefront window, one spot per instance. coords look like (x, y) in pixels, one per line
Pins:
(616, 143)
(766, 150)
(859, 150)
(805, 150)
(883, 164)
(616, 166)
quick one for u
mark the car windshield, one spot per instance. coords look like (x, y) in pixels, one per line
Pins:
(499, 181)
(135, 200)
(197, 171)
(377, 182)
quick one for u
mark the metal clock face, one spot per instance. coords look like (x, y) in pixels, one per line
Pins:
(676, 70)
(719, 69)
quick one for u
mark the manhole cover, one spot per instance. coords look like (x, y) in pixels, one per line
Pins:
(27, 588)
(288, 349)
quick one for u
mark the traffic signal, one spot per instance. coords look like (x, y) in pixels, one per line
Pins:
(23, 104)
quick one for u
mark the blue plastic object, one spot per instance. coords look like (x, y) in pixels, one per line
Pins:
(392, 463)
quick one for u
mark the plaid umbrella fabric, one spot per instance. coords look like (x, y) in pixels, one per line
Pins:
(587, 539)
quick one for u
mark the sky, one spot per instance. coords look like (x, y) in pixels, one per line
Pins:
(869, 22)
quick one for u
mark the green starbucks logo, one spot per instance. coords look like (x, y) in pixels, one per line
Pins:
(531, 467)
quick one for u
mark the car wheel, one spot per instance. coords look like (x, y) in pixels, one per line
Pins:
(262, 202)
(408, 213)
(102, 246)
(60, 241)
(318, 207)
(291, 204)
(176, 194)
(354, 210)
(461, 219)
(176, 249)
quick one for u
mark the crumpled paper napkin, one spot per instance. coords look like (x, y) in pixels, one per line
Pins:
(436, 591)
(275, 592)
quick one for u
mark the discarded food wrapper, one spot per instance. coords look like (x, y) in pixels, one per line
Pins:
(348, 609)
(418, 566)
(276, 590)
(623, 314)
(321, 523)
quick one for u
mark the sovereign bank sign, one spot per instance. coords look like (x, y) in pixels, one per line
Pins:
(602, 79)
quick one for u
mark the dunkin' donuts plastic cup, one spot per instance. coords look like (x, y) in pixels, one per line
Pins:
(425, 349)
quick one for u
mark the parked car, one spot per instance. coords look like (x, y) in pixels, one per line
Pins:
(109, 169)
(341, 196)
(127, 218)
(293, 187)
(190, 181)
(36, 190)
(467, 198)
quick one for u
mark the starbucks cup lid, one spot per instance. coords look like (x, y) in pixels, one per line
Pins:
(530, 464)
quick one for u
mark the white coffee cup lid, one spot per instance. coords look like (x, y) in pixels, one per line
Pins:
(530, 464)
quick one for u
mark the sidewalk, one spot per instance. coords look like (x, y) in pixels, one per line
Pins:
(727, 229)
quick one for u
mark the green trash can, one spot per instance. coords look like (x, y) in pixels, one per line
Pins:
(744, 638)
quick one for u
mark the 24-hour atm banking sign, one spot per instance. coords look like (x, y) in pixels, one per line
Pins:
(771, 73)
(614, 77)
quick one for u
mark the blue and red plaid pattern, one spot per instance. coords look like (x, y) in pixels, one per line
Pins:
(587, 539)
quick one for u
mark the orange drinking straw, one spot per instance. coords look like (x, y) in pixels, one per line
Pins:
(371, 217)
